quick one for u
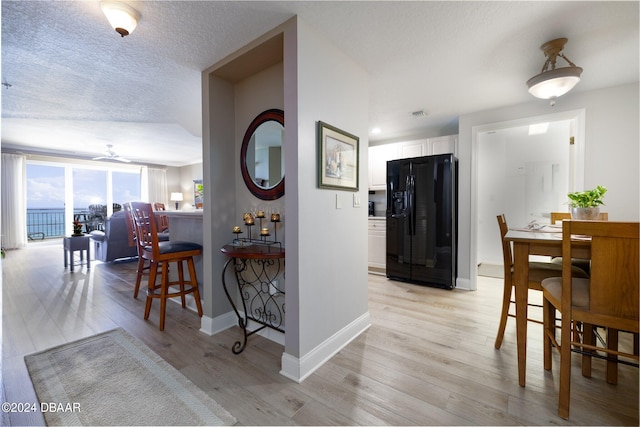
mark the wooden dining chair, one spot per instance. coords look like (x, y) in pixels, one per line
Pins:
(162, 254)
(538, 271)
(591, 332)
(609, 298)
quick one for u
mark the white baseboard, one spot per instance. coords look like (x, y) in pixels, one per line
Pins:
(462, 283)
(297, 369)
(213, 325)
(268, 333)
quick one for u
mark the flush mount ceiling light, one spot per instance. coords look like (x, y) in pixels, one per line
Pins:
(553, 82)
(122, 17)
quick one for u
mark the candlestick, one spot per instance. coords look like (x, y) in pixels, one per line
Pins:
(264, 232)
(275, 217)
(260, 214)
(237, 230)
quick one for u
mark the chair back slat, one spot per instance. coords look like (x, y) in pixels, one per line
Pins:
(163, 220)
(615, 271)
(163, 223)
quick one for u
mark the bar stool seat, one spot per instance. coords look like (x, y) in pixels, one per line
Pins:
(176, 246)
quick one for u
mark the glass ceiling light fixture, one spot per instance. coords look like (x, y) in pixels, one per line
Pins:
(553, 82)
(122, 17)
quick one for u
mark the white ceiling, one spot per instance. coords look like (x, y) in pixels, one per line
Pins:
(76, 85)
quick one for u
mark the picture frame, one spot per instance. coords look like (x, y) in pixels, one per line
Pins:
(338, 158)
(198, 194)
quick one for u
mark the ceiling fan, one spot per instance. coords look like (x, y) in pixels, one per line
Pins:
(111, 155)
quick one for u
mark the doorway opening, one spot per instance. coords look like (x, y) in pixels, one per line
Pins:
(524, 173)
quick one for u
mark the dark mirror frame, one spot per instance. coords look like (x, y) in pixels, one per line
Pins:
(276, 191)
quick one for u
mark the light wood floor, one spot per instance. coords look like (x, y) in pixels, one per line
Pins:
(428, 358)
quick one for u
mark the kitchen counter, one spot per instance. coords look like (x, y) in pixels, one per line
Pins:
(196, 213)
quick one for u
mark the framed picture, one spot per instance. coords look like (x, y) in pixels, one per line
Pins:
(338, 158)
(198, 194)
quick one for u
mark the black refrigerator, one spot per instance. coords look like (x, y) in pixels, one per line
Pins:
(422, 220)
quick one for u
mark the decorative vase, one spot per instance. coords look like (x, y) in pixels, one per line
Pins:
(585, 214)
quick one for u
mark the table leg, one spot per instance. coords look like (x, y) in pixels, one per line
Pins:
(521, 281)
(89, 257)
(71, 259)
(66, 253)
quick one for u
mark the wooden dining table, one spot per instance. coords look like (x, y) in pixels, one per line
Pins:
(545, 241)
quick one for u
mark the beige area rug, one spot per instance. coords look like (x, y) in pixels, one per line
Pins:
(114, 379)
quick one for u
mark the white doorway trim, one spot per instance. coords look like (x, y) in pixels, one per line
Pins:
(576, 181)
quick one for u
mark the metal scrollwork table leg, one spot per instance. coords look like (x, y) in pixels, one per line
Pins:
(262, 298)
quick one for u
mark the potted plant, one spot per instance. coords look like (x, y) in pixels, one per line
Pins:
(585, 205)
(77, 228)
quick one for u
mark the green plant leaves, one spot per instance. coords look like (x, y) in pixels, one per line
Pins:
(587, 198)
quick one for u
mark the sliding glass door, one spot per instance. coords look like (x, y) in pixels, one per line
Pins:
(45, 201)
(58, 194)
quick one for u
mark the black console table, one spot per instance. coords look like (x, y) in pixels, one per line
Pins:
(257, 269)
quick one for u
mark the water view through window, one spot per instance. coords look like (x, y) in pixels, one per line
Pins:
(87, 194)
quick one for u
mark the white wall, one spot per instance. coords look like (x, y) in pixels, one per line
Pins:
(258, 93)
(326, 247)
(504, 158)
(181, 180)
(611, 155)
(219, 163)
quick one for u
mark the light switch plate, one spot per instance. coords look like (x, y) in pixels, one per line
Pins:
(356, 200)
(338, 201)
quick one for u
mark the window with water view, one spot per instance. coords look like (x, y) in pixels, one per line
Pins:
(85, 192)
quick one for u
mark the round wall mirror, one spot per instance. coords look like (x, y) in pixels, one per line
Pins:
(262, 155)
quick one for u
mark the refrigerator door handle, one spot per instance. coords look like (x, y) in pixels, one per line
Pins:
(411, 185)
(407, 197)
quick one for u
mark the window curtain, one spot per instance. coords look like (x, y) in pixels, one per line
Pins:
(154, 182)
(13, 212)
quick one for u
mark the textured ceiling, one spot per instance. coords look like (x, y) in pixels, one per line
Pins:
(77, 86)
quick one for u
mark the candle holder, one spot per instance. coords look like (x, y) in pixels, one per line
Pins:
(264, 231)
(249, 225)
(236, 241)
(275, 219)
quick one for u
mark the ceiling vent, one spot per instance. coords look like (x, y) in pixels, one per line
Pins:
(418, 114)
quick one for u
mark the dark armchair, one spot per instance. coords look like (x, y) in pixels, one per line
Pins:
(113, 242)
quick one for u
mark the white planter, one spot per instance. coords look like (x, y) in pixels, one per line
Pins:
(585, 214)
